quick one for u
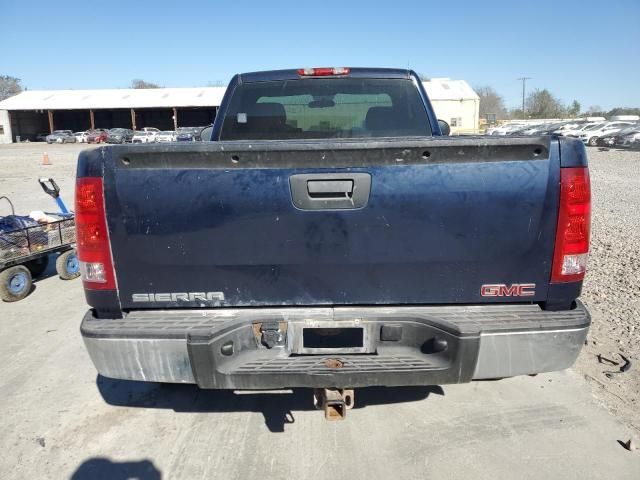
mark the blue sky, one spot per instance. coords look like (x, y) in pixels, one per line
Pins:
(584, 50)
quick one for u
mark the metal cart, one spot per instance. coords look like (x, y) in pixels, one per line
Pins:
(26, 246)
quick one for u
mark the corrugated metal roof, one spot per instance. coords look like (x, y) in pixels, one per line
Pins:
(437, 88)
(114, 98)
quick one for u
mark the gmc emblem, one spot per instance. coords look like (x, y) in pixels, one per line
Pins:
(502, 290)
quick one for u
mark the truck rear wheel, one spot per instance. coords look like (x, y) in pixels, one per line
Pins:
(68, 265)
(15, 283)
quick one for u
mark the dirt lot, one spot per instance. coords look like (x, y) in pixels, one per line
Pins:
(612, 287)
(61, 420)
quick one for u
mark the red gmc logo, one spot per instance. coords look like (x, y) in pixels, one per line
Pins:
(502, 290)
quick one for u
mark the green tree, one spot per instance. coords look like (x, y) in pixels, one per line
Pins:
(515, 114)
(623, 111)
(542, 104)
(139, 83)
(574, 109)
(9, 86)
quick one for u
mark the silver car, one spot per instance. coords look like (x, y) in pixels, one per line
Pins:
(61, 136)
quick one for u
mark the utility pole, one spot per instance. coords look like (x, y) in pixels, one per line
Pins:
(524, 84)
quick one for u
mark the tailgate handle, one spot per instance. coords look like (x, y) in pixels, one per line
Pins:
(330, 191)
(330, 188)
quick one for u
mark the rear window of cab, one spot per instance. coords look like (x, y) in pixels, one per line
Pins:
(325, 108)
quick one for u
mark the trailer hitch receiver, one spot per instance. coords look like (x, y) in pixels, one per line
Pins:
(334, 401)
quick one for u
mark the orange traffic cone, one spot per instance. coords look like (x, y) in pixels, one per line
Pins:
(45, 159)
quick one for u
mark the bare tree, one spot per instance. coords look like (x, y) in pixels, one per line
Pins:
(491, 102)
(9, 86)
(595, 111)
(542, 104)
(139, 83)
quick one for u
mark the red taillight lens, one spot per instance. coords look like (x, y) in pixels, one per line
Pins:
(323, 71)
(574, 223)
(92, 237)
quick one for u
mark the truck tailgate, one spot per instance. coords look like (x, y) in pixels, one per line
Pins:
(398, 221)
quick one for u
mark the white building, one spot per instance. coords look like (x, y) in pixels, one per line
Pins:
(456, 103)
(36, 112)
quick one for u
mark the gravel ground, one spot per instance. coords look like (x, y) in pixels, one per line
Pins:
(612, 287)
(64, 421)
(611, 290)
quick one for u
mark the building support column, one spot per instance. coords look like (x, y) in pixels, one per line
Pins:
(92, 120)
(5, 121)
(51, 125)
(175, 118)
(133, 119)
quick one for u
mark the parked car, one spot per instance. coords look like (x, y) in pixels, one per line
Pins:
(590, 135)
(622, 138)
(356, 274)
(188, 134)
(61, 136)
(144, 137)
(568, 126)
(119, 135)
(631, 139)
(524, 130)
(81, 137)
(576, 129)
(166, 136)
(548, 129)
(41, 137)
(505, 129)
(99, 135)
(150, 129)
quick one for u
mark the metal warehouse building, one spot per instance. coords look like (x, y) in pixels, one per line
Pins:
(41, 111)
(35, 112)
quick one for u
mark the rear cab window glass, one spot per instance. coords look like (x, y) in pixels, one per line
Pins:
(325, 108)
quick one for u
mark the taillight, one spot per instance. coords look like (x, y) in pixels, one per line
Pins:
(574, 223)
(92, 237)
(323, 71)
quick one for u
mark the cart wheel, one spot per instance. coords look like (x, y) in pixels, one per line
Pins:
(15, 283)
(68, 265)
(38, 266)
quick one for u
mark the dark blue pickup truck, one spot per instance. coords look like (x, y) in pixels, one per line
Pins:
(330, 235)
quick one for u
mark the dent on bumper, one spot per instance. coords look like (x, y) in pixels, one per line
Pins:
(531, 344)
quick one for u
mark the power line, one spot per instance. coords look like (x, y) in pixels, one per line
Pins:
(524, 83)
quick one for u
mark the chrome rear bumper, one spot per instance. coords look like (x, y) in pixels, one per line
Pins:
(482, 342)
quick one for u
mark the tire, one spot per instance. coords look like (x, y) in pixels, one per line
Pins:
(68, 265)
(15, 283)
(38, 266)
(593, 141)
